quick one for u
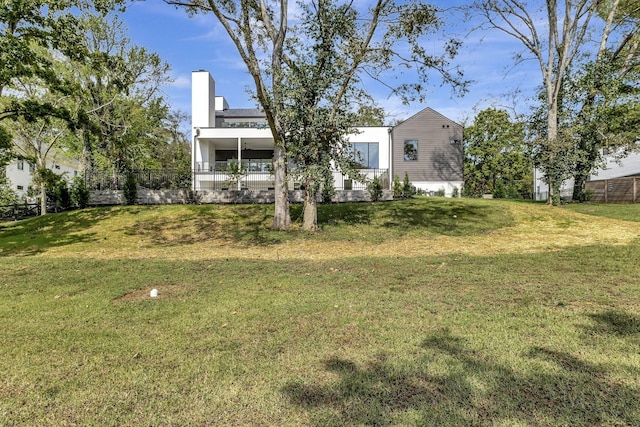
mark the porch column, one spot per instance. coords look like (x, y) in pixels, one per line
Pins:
(239, 183)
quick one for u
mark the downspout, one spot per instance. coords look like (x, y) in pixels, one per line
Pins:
(193, 157)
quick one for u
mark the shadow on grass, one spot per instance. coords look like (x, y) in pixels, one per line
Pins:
(471, 389)
(246, 224)
(36, 235)
(435, 214)
(616, 323)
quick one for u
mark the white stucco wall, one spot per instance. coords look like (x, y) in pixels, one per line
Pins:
(20, 179)
(379, 134)
(203, 99)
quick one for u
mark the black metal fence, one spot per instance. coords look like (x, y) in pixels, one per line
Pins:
(19, 211)
(153, 180)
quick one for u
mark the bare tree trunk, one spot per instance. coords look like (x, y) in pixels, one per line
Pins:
(43, 198)
(310, 214)
(281, 217)
(552, 134)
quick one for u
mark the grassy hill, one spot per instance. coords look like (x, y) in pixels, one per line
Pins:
(422, 312)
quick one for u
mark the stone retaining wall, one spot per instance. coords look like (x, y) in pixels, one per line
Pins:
(168, 197)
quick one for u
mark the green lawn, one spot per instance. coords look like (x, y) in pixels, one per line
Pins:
(430, 311)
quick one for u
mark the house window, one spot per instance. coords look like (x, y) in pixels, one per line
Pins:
(31, 168)
(410, 150)
(20, 165)
(366, 155)
(20, 187)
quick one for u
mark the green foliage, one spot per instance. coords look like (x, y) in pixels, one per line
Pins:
(235, 170)
(130, 189)
(375, 189)
(60, 194)
(79, 192)
(7, 195)
(328, 189)
(496, 152)
(397, 187)
(370, 115)
(29, 32)
(455, 193)
(408, 190)
(5, 147)
(56, 187)
(440, 192)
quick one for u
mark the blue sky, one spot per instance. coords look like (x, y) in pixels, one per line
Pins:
(193, 43)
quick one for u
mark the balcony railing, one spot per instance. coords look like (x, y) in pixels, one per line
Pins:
(250, 165)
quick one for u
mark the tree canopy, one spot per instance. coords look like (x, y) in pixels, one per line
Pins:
(497, 159)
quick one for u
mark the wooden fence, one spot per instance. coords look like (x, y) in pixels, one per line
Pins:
(625, 190)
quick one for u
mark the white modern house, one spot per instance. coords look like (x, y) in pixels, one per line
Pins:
(20, 172)
(224, 138)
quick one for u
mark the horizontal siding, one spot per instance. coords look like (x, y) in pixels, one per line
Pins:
(438, 159)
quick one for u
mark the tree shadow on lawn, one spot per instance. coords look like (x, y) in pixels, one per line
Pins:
(615, 322)
(437, 215)
(240, 224)
(471, 390)
(35, 235)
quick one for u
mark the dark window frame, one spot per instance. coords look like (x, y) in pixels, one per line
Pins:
(410, 155)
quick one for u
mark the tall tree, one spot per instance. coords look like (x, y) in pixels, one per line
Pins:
(368, 44)
(497, 159)
(604, 92)
(29, 31)
(554, 35)
(120, 89)
(41, 140)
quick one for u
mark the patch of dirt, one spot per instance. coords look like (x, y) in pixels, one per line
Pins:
(165, 290)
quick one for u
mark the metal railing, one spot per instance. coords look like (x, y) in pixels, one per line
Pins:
(255, 178)
(154, 180)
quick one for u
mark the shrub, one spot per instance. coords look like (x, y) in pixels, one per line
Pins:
(79, 192)
(328, 189)
(7, 195)
(61, 195)
(408, 190)
(375, 189)
(130, 189)
(397, 187)
(499, 191)
(455, 192)
(440, 192)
